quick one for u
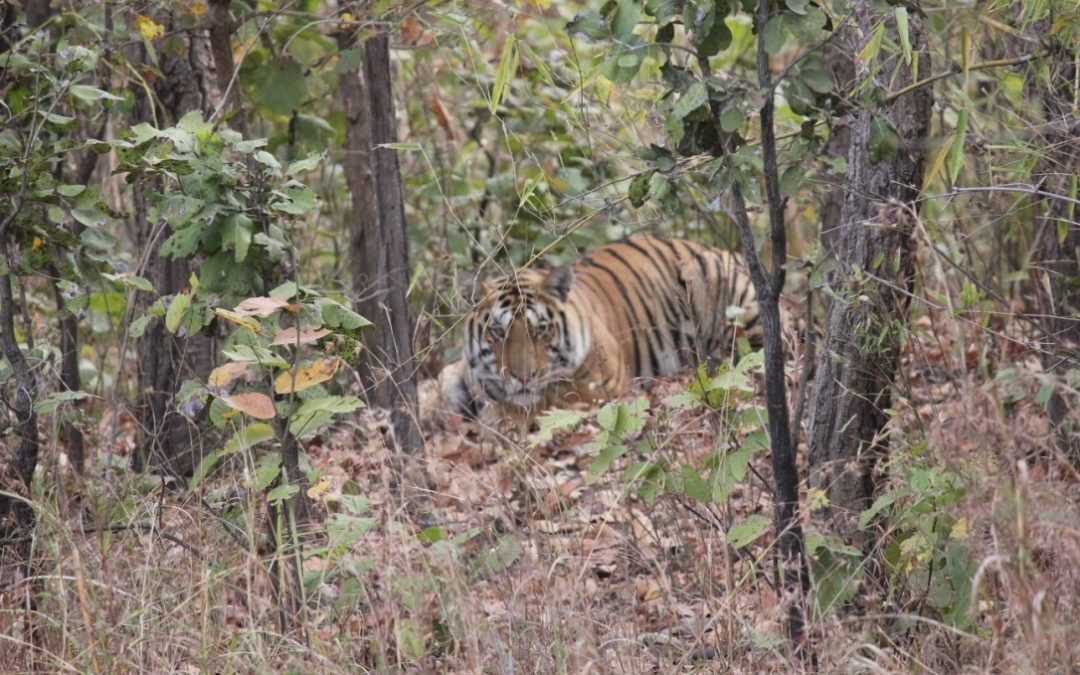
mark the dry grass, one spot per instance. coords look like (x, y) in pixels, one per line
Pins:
(535, 569)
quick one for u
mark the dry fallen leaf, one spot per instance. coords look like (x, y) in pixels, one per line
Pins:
(289, 336)
(253, 403)
(304, 377)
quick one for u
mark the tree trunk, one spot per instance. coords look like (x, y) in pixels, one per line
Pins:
(169, 441)
(860, 353)
(1056, 259)
(379, 247)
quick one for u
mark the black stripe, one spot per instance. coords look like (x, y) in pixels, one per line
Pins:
(639, 363)
(654, 327)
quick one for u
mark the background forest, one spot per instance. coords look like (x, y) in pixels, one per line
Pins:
(237, 239)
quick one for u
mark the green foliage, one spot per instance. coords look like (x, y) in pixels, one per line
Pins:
(228, 203)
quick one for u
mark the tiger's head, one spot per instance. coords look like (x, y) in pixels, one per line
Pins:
(524, 336)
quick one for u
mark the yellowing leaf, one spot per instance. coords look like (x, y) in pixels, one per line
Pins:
(253, 403)
(960, 529)
(148, 28)
(262, 306)
(316, 490)
(197, 8)
(223, 376)
(238, 319)
(305, 377)
(290, 336)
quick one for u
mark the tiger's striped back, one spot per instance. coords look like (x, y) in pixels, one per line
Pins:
(642, 307)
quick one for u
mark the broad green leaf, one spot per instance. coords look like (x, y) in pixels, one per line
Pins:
(53, 401)
(638, 192)
(283, 87)
(552, 421)
(337, 316)
(313, 414)
(267, 469)
(747, 531)
(281, 493)
(178, 308)
(693, 98)
(603, 460)
(237, 231)
(732, 119)
(301, 166)
(90, 94)
(625, 19)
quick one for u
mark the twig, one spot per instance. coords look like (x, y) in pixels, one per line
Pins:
(956, 70)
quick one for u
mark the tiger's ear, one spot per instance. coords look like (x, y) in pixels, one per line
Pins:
(558, 281)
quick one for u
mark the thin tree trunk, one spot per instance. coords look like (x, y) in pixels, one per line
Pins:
(860, 352)
(379, 248)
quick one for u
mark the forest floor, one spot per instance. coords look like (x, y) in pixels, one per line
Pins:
(518, 560)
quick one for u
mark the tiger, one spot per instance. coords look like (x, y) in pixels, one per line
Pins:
(642, 307)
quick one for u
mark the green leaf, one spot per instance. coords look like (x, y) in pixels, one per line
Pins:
(588, 25)
(552, 421)
(774, 35)
(283, 88)
(344, 530)
(732, 119)
(508, 66)
(903, 31)
(236, 232)
(248, 437)
(694, 486)
(693, 98)
(955, 163)
(337, 316)
(625, 19)
(267, 470)
(90, 94)
(816, 78)
(132, 281)
(281, 493)
(603, 460)
(70, 190)
(313, 414)
(307, 164)
(266, 159)
(747, 531)
(53, 401)
(138, 326)
(178, 309)
(638, 193)
(717, 39)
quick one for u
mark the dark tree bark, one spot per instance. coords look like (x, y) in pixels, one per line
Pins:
(860, 353)
(17, 470)
(1056, 259)
(769, 284)
(169, 441)
(379, 248)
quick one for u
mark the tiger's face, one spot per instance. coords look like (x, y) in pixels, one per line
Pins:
(517, 340)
